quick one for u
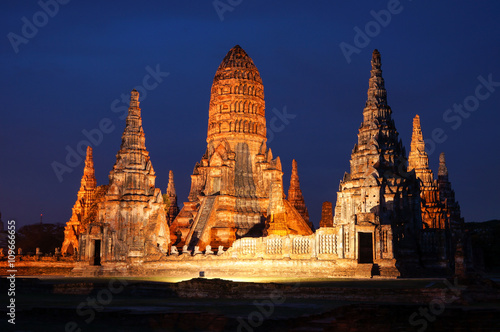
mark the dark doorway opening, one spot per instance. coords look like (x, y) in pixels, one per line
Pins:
(97, 252)
(365, 248)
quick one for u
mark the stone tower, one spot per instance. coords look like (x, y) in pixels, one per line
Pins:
(447, 196)
(81, 209)
(432, 210)
(231, 185)
(326, 215)
(377, 212)
(170, 199)
(295, 196)
(131, 221)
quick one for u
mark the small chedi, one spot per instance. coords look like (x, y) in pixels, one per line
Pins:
(295, 196)
(391, 216)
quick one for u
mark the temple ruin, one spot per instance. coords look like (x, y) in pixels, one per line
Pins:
(391, 216)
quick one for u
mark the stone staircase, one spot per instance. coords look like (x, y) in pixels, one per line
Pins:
(201, 221)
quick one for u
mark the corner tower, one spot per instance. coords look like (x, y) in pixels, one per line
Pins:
(84, 201)
(432, 209)
(130, 222)
(378, 204)
(231, 185)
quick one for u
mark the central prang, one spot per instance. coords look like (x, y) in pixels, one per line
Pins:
(237, 187)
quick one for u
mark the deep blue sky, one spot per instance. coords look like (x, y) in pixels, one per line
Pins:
(66, 77)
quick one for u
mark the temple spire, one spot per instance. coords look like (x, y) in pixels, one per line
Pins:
(171, 185)
(171, 199)
(88, 181)
(431, 207)
(377, 95)
(295, 196)
(84, 200)
(133, 156)
(133, 136)
(418, 158)
(379, 147)
(447, 196)
(443, 170)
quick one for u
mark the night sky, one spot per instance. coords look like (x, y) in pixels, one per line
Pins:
(73, 72)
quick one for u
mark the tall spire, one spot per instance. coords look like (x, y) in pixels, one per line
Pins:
(171, 185)
(88, 181)
(295, 196)
(133, 137)
(379, 147)
(431, 207)
(171, 199)
(84, 200)
(132, 211)
(237, 107)
(443, 170)
(377, 190)
(133, 172)
(447, 196)
(377, 95)
(418, 158)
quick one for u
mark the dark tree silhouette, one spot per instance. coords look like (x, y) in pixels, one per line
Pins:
(47, 237)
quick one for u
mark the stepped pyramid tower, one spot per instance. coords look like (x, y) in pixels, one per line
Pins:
(377, 213)
(81, 209)
(130, 222)
(432, 209)
(170, 199)
(231, 185)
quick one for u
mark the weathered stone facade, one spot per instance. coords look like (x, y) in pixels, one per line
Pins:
(81, 209)
(377, 215)
(232, 184)
(130, 221)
